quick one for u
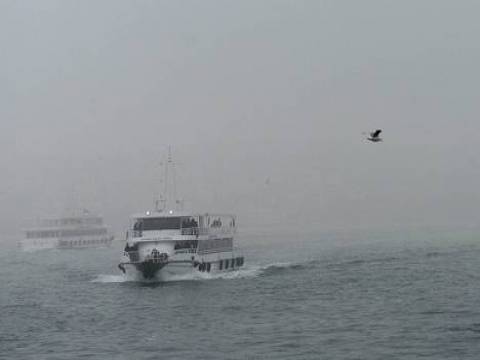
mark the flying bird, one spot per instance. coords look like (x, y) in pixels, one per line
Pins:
(375, 136)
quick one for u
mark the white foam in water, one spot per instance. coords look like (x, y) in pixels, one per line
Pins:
(278, 265)
(238, 274)
(112, 279)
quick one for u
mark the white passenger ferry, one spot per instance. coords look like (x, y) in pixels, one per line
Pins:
(163, 243)
(78, 231)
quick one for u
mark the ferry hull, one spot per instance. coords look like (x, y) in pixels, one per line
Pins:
(44, 245)
(155, 271)
(149, 270)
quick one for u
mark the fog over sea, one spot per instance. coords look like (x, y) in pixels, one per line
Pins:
(382, 295)
(362, 249)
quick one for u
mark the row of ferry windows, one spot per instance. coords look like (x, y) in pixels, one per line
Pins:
(174, 223)
(230, 263)
(165, 223)
(216, 244)
(227, 263)
(65, 233)
(205, 244)
(74, 221)
(83, 242)
(73, 242)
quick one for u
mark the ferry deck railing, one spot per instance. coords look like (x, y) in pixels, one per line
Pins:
(196, 231)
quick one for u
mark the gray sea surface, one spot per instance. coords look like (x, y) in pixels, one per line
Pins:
(390, 295)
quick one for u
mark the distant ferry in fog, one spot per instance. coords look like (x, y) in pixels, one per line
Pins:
(163, 242)
(79, 231)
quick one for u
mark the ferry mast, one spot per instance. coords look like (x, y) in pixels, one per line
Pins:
(169, 190)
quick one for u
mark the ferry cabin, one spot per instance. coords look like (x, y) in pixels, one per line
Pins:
(68, 232)
(69, 237)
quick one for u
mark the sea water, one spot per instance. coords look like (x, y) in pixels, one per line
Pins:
(389, 295)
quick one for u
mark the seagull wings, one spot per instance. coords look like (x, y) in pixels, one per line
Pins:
(376, 133)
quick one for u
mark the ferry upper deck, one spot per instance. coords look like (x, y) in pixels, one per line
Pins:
(173, 224)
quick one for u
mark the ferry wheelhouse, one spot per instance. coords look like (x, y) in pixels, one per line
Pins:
(181, 242)
(79, 231)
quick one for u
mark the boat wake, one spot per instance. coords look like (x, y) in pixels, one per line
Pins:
(112, 279)
(246, 272)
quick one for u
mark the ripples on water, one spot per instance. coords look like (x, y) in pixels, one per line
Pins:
(318, 299)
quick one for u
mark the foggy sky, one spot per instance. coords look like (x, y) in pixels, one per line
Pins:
(263, 102)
